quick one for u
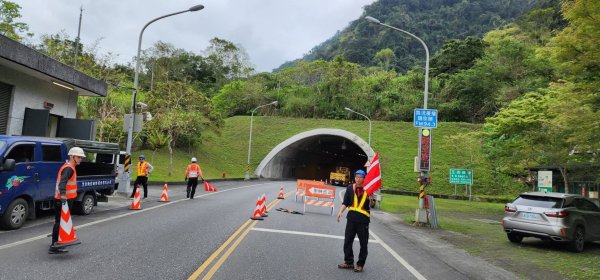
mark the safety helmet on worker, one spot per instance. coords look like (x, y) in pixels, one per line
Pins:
(360, 172)
(194, 159)
(76, 151)
(142, 157)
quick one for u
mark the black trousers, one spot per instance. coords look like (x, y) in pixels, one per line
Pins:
(353, 229)
(192, 183)
(57, 210)
(140, 180)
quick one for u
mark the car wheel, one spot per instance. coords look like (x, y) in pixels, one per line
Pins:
(86, 205)
(578, 242)
(15, 214)
(514, 237)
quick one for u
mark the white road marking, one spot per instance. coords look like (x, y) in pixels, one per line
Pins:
(399, 258)
(342, 196)
(307, 234)
(118, 216)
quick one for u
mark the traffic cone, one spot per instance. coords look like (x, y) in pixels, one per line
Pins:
(66, 232)
(257, 215)
(280, 196)
(164, 197)
(263, 207)
(136, 203)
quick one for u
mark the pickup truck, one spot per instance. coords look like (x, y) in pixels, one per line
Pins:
(29, 167)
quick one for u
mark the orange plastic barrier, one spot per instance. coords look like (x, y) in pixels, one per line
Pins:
(318, 194)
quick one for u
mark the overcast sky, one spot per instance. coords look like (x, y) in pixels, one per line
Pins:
(271, 31)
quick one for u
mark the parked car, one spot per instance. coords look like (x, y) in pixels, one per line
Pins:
(560, 217)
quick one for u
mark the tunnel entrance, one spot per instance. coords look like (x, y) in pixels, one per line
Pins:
(314, 154)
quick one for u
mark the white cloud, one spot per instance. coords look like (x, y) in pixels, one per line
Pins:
(271, 31)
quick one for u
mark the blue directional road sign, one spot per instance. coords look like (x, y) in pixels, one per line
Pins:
(425, 118)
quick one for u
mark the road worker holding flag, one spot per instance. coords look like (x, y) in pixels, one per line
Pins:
(192, 173)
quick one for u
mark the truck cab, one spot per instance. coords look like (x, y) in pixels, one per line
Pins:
(29, 168)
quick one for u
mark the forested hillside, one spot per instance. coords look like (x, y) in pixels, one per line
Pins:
(434, 21)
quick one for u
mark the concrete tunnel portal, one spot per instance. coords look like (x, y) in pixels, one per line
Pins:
(314, 154)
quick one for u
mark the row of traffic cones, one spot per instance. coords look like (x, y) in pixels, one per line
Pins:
(260, 211)
(66, 232)
(136, 203)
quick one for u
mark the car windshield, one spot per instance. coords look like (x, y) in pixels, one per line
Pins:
(539, 201)
(2, 144)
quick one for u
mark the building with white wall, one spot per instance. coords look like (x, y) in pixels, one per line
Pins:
(38, 95)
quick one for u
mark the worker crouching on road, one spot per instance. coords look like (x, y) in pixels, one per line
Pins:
(358, 218)
(191, 176)
(144, 169)
(65, 192)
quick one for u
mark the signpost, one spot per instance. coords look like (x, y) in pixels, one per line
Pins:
(462, 177)
(425, 118)
(545, 181)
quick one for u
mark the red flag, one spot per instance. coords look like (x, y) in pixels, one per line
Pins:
(373, 179)
(208, 187)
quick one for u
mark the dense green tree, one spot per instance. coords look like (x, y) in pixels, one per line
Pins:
(10, 12)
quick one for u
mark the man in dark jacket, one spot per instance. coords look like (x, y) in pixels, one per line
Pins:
(358, 218)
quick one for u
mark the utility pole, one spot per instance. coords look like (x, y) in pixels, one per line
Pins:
(77, 39)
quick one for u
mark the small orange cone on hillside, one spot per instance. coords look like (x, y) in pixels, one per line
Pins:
(257, 215)
(66, 232)
(136, 203)
(280, 196)
(263, 206)
(164, 197)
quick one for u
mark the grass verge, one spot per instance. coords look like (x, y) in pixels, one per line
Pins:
(475, 227)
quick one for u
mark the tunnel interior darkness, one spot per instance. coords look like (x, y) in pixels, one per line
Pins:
(315, 157)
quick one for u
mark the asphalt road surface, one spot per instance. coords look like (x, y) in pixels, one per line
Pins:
(211, 237)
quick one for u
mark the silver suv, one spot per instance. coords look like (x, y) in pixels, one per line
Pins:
(554, 216)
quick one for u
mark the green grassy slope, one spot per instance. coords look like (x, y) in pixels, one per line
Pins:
(395, 141)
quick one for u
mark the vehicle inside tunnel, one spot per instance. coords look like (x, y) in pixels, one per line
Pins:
(315, 157)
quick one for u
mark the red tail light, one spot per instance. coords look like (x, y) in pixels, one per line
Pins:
(510, 208)
(560, 214)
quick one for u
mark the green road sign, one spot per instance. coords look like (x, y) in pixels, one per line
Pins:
(461, 176)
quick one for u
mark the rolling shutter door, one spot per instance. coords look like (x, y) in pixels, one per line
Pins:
(5, 94)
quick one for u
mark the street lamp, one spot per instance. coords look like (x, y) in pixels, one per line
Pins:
(420, 215)
(426, 92)
(350, 110)
(135, 84)
(247, 177)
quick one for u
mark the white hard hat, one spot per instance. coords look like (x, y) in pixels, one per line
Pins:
(194, 159)
(76, 151)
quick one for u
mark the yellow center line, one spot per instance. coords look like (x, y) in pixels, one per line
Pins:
(217, 252)
(214, 255)
(225, 256)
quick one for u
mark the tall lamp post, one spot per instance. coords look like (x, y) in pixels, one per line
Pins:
(350, 110)
(247, 176)
(420, 215)
(135, 86)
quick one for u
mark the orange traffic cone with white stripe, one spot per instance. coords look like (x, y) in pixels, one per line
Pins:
(257, 215)
(136, 203)
(263, 206)
(280, 196)
(164, 197)
(66, 232)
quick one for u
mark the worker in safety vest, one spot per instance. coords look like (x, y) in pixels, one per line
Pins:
(358, 203)
(192, 173)
(144, 169)
(65, 191)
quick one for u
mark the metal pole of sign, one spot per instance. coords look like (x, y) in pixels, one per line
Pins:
(454, 189)
(470, 189)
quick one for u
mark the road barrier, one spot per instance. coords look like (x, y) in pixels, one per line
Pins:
(317, 194)
(301, 187)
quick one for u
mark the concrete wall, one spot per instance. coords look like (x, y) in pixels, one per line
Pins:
(31, 92)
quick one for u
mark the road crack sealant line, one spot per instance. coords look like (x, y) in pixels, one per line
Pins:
(28, 240)
(245, 229)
